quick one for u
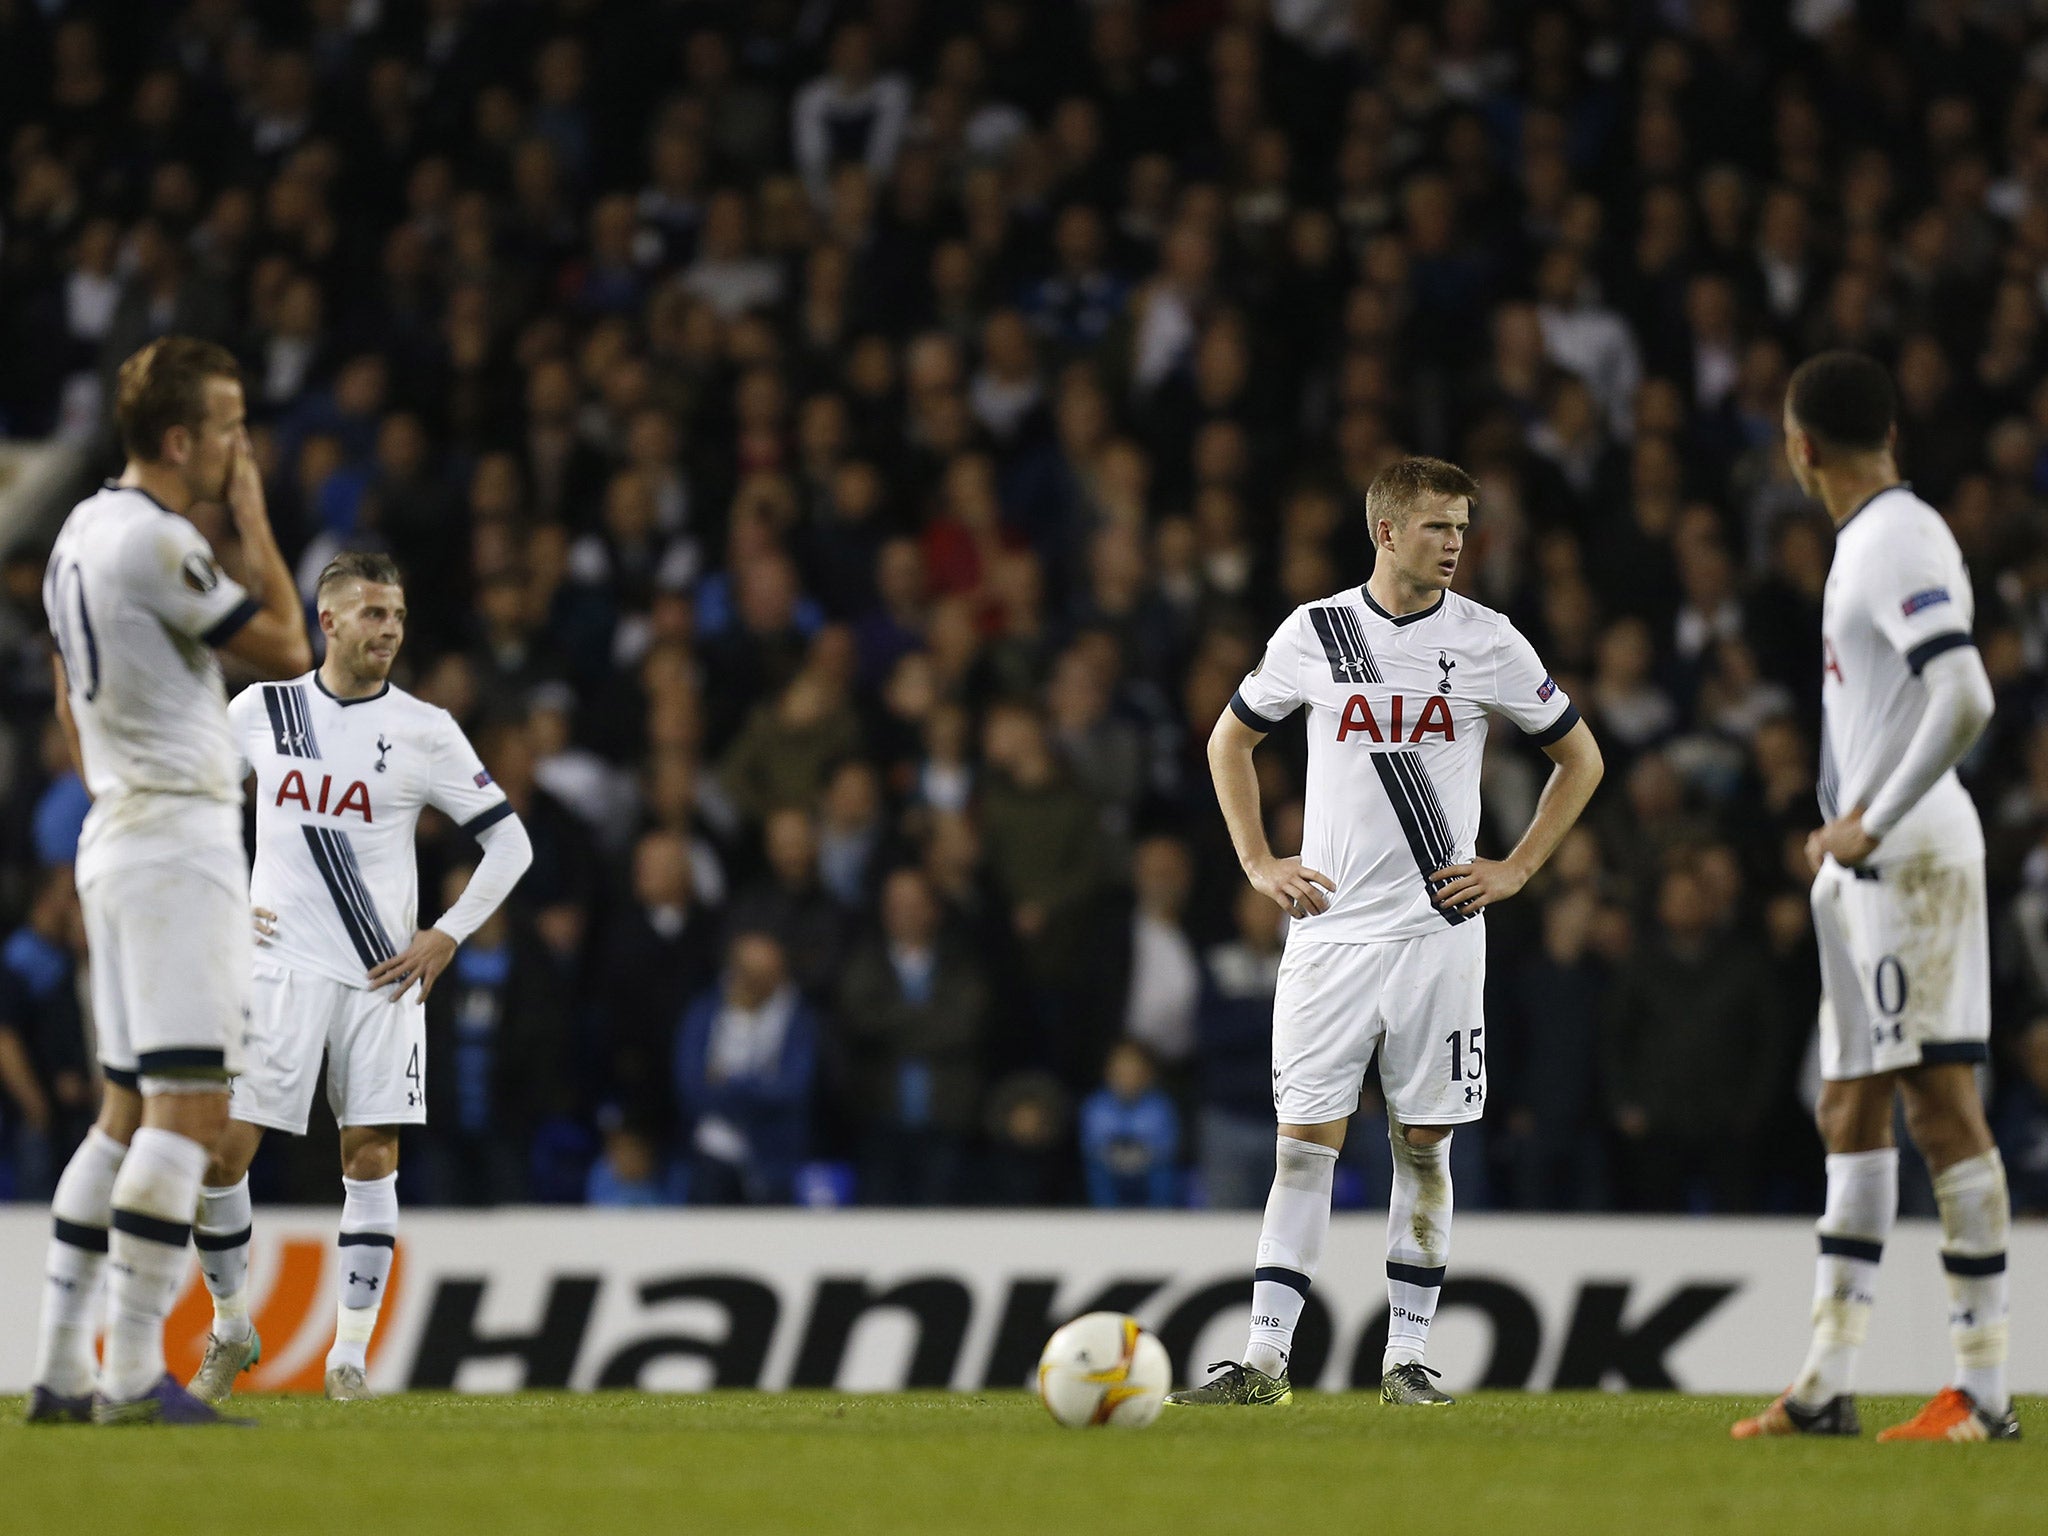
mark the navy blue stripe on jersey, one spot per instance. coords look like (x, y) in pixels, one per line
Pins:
(1434, 830)
(280, 736)
(297, 704)
(360, 934)
(489, 817)
(1345, 618)
(1411, 795)
(230, 624)
(291, 725)
(352, 872)
(1348, 664)
(1940, 645)
(1558, 729)
(1248, 715)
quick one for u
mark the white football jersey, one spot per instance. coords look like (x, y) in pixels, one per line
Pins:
(136, 603)
(339, 788)
(1898, 595)
(1397, 718)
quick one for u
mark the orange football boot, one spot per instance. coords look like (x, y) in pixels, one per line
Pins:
(1837, 1416)
(1952, 1414)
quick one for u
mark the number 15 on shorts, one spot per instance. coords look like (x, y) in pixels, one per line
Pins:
(1468, 1062)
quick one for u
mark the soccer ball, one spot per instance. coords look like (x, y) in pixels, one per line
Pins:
(1104, 1368)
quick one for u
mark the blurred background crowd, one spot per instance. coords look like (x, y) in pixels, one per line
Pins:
(845, 455)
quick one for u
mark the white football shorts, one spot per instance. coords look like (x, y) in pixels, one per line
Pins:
(1905, 966)
(170, 952)
(376, 1053)
(1420, 1002)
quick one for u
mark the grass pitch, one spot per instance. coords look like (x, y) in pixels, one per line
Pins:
(910, 1464)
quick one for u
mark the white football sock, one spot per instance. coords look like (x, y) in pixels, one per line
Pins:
(369, 1235)
(82, 1208)
(1290, 1248)
(222, 1237)
(155, 1198)
(1418, 1245)
(1863, 1201)
(1976, 1218)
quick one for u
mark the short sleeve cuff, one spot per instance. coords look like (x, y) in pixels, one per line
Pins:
(230, 624)
(1940, 645)
(489, 818)
(1250, 716)
(1558, 729)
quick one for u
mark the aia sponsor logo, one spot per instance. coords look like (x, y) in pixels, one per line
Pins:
(353, 800)
(291, 1302)
(1432, 718)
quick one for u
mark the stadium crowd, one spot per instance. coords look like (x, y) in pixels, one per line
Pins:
(845, 456)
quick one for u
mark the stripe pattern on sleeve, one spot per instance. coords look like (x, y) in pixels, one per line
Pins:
(291, 722)
(1344, 644)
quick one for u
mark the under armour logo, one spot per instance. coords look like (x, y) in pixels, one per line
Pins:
(356, 1279)
(1443, 660)
(1471, 1094)
(412, 1099)
(384, 746)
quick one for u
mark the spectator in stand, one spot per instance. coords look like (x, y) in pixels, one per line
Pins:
(1050, 346)
(744, 1060)
(1690, 1042)
(1234, 1049)
(501, 1068)
(1130, 1134)
(912, 1020)
(661, 952)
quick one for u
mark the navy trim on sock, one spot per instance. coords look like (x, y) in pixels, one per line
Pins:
(366, 1240)
(220, 1242)
(1851, 1247)
(1293, 1279)
(121, 1077)
(91, 1239)
(1973, 1263)
(172, 1234)
(1415, 1274)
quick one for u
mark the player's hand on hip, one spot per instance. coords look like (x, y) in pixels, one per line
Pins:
(1467, 888)
(422, 961)
(266, 924)
(1295, 888)
(1843, 837)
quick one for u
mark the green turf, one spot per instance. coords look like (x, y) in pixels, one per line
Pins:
(1505, 1464)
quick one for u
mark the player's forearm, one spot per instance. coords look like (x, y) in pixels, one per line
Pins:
(508, 853)
(270, 579)
(1577, 773)
(1959, 705)
(65, 722)
(1237, 792)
